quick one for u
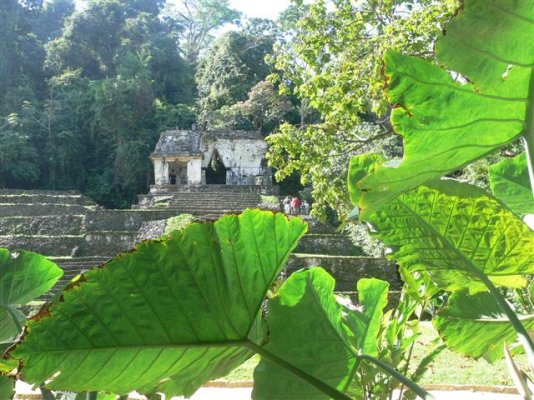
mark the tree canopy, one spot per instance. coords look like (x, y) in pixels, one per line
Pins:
(331, 59)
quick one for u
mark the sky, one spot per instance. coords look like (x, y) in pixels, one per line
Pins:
(252, 8)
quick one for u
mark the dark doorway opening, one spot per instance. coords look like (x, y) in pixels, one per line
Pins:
(216, 171)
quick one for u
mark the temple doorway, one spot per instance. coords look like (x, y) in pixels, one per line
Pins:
(216, 171)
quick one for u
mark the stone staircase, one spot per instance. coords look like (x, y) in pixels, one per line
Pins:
(68, 228)
(75, 233)
(202, 200)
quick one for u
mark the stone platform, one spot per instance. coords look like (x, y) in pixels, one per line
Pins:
(75, 233)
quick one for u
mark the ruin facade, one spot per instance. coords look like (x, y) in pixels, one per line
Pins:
(197, 157)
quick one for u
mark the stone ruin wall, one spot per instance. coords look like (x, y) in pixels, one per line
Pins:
(75, 233)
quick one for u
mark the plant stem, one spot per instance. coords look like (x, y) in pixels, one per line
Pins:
(319, 385)
(408, 360)
(92, 395)
(528, 132)
(418, 390)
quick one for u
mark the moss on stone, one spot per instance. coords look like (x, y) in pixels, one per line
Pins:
(178, 222)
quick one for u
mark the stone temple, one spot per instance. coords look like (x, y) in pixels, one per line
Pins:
(225, 168)
(207, 158)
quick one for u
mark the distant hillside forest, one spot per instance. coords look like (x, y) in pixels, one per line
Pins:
(84, 94)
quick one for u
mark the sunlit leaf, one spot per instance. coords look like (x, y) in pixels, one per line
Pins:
(166, 317)
(445, 123)
(476, 326)
(452, 231)
(24, 276)
(325, 336)
(510, 183)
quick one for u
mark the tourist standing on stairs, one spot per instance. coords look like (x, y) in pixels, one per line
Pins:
(287, 205)
(295, 205)
(305, 208)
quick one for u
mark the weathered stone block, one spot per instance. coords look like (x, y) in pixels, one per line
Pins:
(17, 210)
(339, 245)
(45, 245)
(107, 243)
(43, 225)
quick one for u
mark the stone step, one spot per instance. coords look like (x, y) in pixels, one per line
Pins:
(28, 209)
(38, 197)
(186, 195)
(209, 204)
(108, 243)
(212, 204)
(42, 225)
(348, 269)
(50, 246)
(329, 244)
(202, 211)
(124, 220)
(206, 188)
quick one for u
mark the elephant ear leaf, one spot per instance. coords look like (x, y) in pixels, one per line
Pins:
(366, 323)
(305, 306)
(328, 334)
(456, 233)
(446, 124)
(510, 183)
(476, 326)
(166, 317)
(7, 387)
(24, 276)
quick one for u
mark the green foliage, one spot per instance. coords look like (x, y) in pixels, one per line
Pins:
(263, 111)
(187, 308)
(510, 183)
(199, 18)
(343, 337)
(229, 69)
(455, 233)
(47, 25)
(24, 276)
(197, 326)
(465, 316)
(178, 223)
(303, 305)
(447, 124)
(464, 240)
(114, 79)
(7, 387)
(179, 116)
(332, 59)
(18, 156)
(273, 200)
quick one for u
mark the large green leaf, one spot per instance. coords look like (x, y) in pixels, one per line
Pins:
(323, 336)
(6, 365)
(7, 388)
(24, 276)
(511, 184)
(166, 317)
(446, 124)
(454, 231)
(366, 324)
(476, 326)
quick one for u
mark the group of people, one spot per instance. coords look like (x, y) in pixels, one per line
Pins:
(295, 206)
